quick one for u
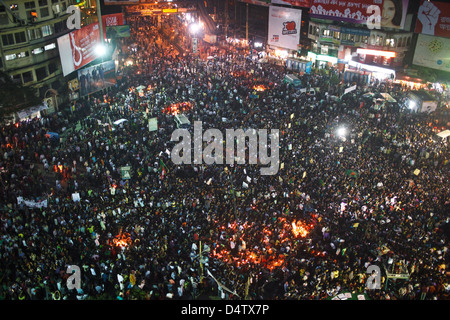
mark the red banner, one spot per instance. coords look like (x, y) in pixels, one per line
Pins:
(115, 19)
(297, 3)
(433, 18)
(390, 13)
(77, 48)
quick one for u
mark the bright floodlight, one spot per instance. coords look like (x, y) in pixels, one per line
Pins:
(341, 131)
(412, 104)
(194, 27)
(100, 50)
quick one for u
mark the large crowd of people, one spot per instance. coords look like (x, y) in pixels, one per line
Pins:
(376, 195)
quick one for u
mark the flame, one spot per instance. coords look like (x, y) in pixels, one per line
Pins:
(259, 87)
(176, 108)
(299, 229)
(121, 240)
(265, 253)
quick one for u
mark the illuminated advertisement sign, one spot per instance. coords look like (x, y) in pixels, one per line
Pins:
(77, 48)
(284, 27)
(432, 52)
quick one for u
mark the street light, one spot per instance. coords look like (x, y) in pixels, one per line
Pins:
(194, 28)
(100, 50)
(341, 132)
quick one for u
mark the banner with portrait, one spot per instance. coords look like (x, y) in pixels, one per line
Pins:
(388, 13)
(97, 77)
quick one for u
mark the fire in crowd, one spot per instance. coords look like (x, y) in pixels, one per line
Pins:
(122, 240)
(260, 87)
(235, 246)
(177, 108)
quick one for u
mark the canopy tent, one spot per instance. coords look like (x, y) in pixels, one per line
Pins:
(444, 134)
(120, 121)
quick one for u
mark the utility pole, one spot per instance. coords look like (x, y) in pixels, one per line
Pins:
(246, 22)
(100, 21)
(226, 19)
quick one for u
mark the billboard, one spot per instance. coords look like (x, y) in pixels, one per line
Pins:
(115, 19)
(284, 27)
(95, 78)
(118, 31)
(257, 2)
(432, 52)
(77, 48)
(120, 2)
(297, 3)
(390, 13)
(433, 18)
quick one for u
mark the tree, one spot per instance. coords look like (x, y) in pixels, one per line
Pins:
(15, 97)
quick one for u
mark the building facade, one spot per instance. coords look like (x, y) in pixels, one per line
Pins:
(28, 44)
(362, 51)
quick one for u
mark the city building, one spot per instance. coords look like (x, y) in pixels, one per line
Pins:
(28, 47)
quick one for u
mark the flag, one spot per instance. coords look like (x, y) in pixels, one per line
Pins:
(351, 173)
(162, 168)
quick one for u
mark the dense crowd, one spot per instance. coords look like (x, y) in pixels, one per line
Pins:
(377, 196)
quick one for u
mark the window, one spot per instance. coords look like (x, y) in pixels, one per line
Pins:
(3, 15)
(379, 41)
(23, 54)
(9, 57)
(8, 39)
(30, 5)
(364, 39)
(27, 76)
(41, 73)
(20, 37)
(47, 31)
(44, 12)
(52, 68)
(17, 78)
(326, 32)
(60, 26)
(37, 51)
(43, 3)
(337, 35)
(34, 34)
(50, 46)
